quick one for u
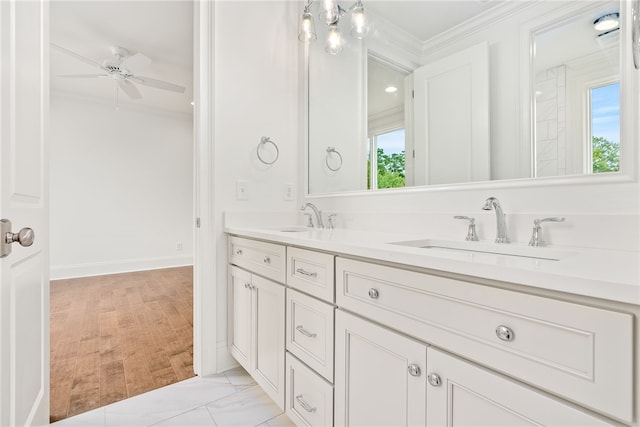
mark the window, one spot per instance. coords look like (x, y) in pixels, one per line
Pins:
(386, 164)
(605, 128)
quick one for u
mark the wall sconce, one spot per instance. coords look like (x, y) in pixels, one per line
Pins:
(330, 14)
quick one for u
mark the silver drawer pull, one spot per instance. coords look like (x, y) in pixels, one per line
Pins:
(304, 404)
(434, 379)
(247, 285)
(304, 332)
(267, 260)
(373, 293)
(505, 333)
(306, 273)
(414, 370)
(238, 251)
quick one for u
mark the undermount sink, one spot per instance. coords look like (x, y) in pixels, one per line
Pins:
(538, 252)
(291, 229)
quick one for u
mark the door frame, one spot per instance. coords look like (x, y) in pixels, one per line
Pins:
(205, 252)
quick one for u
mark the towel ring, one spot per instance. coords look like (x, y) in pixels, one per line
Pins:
(266, 140)
(326, 159)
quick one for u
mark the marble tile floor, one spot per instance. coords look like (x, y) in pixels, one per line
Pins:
(228, 399)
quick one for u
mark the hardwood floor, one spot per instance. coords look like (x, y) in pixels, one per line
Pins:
(116, 336)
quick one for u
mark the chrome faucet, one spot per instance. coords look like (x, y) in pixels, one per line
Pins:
(501, 225)
(315, 211)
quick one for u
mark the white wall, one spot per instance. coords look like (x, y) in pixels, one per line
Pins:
(256, 94)
(121, 188)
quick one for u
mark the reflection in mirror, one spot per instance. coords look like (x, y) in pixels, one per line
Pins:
(577, 94)
(472, 103)
(386, 163)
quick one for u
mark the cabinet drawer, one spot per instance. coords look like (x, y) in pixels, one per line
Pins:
(265, 259)
(311, 272)
(310, 332)
(579, 352)
(309, 399)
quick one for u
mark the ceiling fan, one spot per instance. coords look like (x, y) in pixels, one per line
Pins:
(123, 70)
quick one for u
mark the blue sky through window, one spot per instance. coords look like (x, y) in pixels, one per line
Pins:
(605, 112)
(391, 142)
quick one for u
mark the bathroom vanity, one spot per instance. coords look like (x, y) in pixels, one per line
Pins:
(342, 327)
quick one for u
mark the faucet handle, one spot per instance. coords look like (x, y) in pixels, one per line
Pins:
(330, 221)
(536, 239)
(309, 220)
(471, 231)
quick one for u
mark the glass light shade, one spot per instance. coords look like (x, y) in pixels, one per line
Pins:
(329, 11)
(359, 22)
(334, 40)
(307, 28)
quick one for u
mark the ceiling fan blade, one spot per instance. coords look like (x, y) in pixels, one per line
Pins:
(81, 76)
(135, 63)
(78, 56)
(130, 89)
(158, 84)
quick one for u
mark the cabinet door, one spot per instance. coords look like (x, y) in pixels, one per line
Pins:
(240, 316)
(470, 395)
(268, 337)
(373, 383)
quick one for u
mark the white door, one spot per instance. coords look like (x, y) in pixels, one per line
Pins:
(468, 395)
(451, 118)
(24, 292)
(380, 375)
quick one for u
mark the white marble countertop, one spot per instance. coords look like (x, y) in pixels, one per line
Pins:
(605, 274)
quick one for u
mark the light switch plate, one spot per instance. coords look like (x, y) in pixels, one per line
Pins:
(242, 189)
(288, 191)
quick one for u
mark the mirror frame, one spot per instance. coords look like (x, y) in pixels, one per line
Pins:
(629, 128)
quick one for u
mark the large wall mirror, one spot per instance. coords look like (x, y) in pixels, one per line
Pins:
(444, 93)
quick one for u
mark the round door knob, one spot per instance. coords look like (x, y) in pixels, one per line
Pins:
(434, 379)
(414, 370)
(505, 333)
(373, 293)
(25, 237)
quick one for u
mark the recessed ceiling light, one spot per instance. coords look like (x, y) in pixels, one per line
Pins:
(607, 22)
(391, 89)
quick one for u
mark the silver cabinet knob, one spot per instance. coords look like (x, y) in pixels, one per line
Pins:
(267, 260)
(434, 379)
(247, 285)
(373, 293)
(505, 333)
(414, 370)
(238, 251)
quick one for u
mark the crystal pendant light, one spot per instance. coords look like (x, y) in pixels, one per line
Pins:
(329, 11)
(334, 40)
(359, 22)
(307, 28)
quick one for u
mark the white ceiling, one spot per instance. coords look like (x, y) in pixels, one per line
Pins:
(161, 30)
(425, 19)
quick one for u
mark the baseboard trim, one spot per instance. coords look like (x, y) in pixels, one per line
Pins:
(114, 267)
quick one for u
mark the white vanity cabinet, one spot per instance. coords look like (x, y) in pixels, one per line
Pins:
(380, 375)
(257, 318)
(462, 394)
(579, 352)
